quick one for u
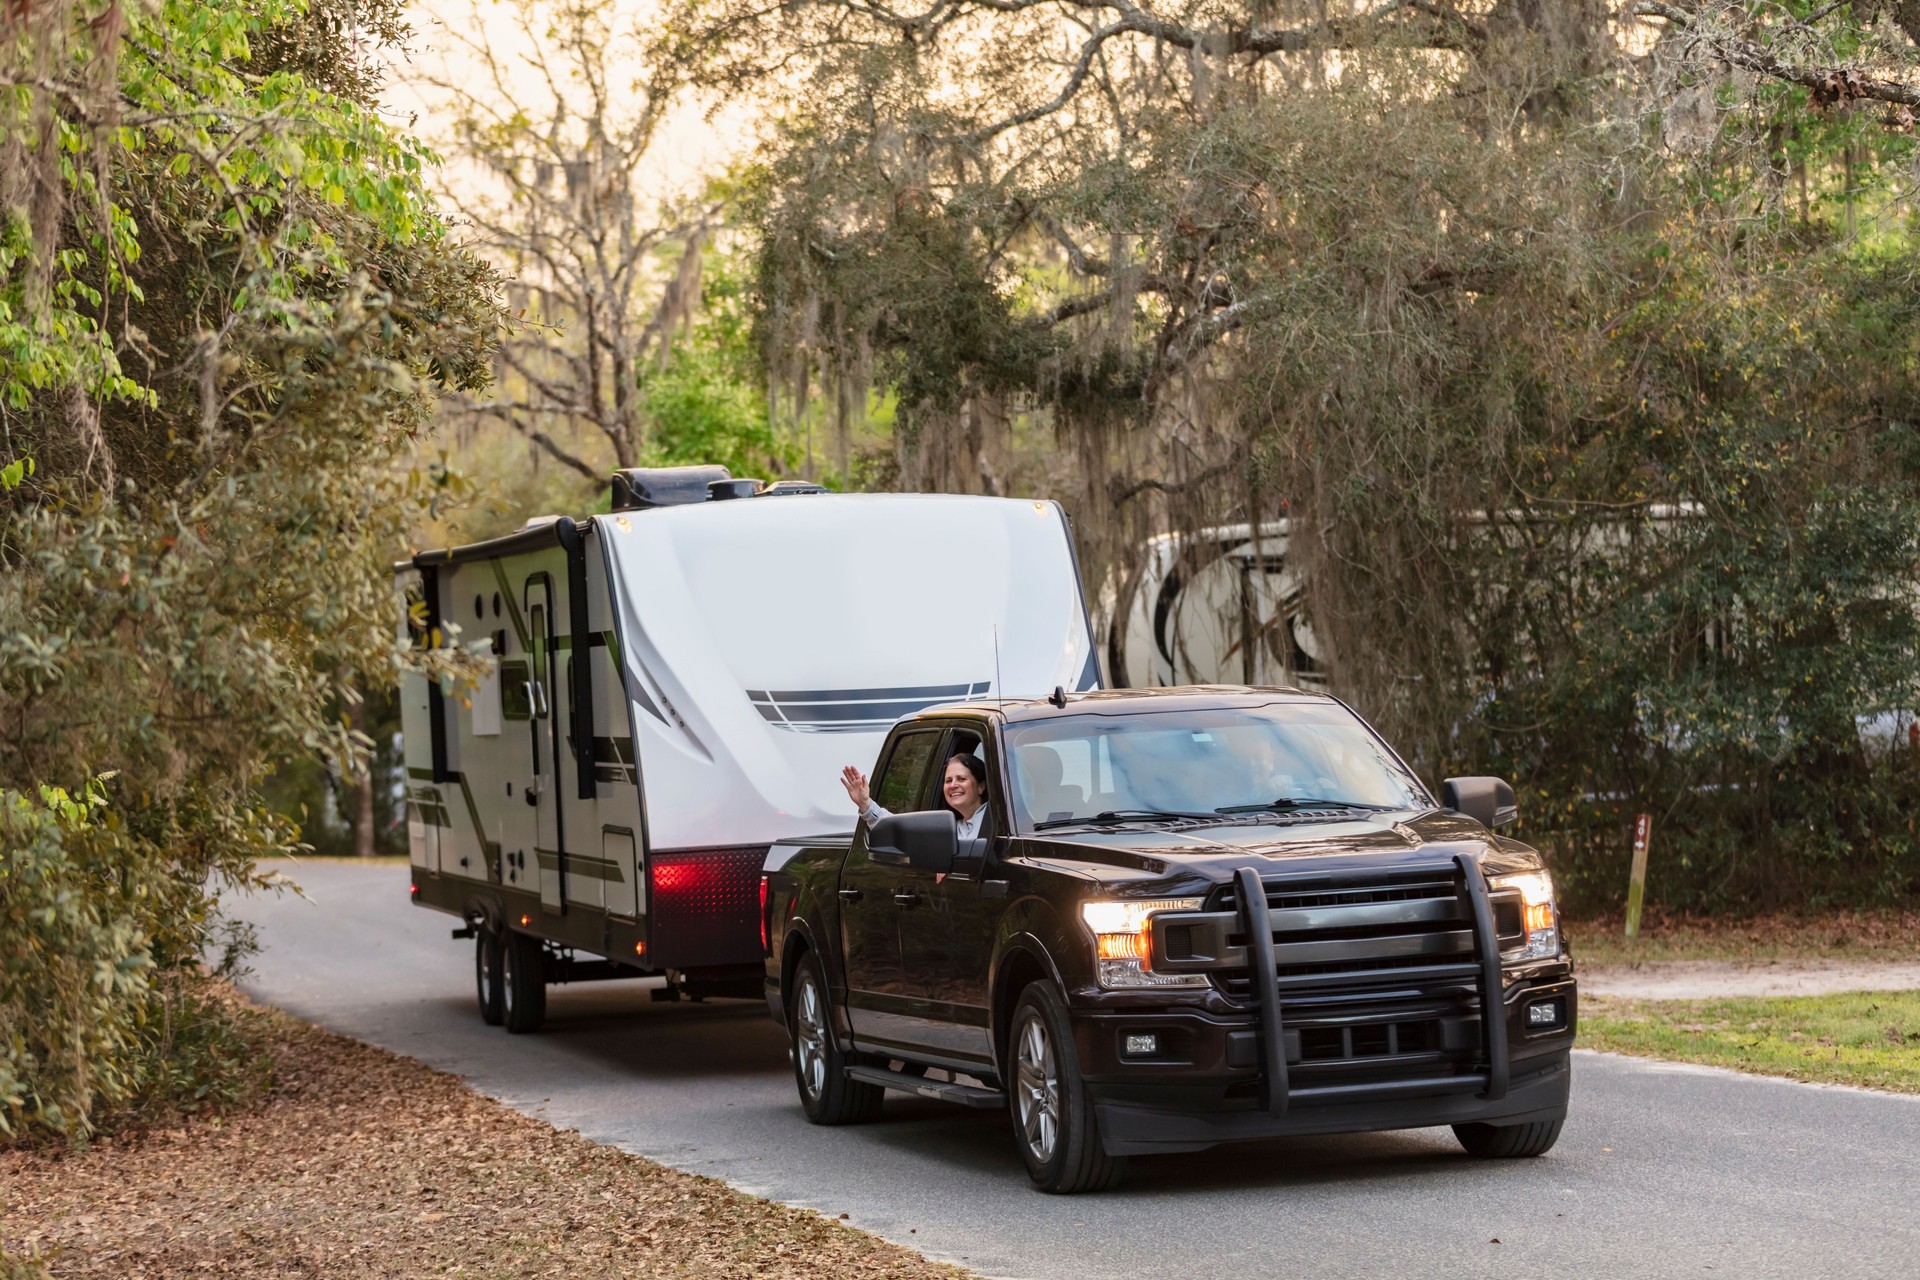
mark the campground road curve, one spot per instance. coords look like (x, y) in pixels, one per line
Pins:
(1662, 1170)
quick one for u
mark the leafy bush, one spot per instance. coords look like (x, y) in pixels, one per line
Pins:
(101, 1004)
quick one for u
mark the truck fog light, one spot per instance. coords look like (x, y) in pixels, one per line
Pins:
(1544, 1014)
(1142, 1046)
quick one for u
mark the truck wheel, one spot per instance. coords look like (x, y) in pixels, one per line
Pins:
(819, 1068)
(523, 985)
(1053, 1120)
(1508, 1141)
(487, 959)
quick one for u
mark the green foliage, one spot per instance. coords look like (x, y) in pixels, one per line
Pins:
(98, 1010)
(221, 320)
(704, 404)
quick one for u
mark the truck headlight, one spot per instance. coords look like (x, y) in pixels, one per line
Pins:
(1123, 941)
(1539, 920)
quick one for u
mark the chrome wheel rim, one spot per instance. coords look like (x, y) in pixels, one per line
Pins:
(506, 985)
(810, 1038)
(1037, 1089)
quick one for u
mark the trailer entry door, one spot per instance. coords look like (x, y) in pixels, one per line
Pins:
(545, 727)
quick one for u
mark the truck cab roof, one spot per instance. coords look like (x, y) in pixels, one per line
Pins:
(1120, 702)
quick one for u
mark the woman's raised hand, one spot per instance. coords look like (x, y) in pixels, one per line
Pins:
(856, 784)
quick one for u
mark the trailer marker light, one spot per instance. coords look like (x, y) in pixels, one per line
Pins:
(414, 889)
(763, 914)
(525, 921)
(640, 947)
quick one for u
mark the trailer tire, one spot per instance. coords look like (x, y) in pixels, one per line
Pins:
(1053, 1119)
(488, 959)
(523, 986)
(1509, 1141)
(819, 1068)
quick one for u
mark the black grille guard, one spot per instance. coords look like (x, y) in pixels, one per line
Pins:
(1472, 954)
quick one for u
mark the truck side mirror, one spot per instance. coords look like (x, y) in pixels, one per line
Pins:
(1488, 801)
(926, 841)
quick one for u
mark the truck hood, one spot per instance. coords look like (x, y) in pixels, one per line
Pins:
(1186, 862)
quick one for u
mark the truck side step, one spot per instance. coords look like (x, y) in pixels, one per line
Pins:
(947, 1091)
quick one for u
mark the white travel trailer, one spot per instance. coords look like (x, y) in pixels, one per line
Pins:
(742, 643)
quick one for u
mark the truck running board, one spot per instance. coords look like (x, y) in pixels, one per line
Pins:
(966, 1095)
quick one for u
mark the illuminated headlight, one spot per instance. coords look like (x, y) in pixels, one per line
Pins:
(1123, 941)
(1538, 919)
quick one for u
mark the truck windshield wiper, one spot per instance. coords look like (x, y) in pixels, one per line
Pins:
(1288, 804)
(1121, 815)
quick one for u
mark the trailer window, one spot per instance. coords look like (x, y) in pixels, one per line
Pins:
(904, 778)
(516, 702)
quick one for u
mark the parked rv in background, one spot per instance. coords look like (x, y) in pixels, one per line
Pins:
(741, 643)
(1215, 606)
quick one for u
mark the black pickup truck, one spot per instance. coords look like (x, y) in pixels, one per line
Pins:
(1195, 916)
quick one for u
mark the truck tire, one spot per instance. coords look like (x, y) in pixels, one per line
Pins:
(819, 1068)
(1509, 1141)
(523, 985)
(1053, 1119)
(487, 982)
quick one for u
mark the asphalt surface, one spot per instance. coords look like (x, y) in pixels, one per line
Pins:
(1662, 1170)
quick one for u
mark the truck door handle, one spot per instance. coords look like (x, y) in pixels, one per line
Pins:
(905, 897)
(850, 895)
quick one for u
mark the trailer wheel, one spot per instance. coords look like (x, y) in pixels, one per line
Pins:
(1508, 1141)
(819, 1068)
(523, 986)
(487, 961)
(1053, 1119)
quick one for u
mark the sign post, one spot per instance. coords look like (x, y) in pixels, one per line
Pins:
(1637, 881)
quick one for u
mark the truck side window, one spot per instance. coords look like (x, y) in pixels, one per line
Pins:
(902, 782)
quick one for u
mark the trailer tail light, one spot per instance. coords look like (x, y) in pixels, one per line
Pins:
(703, 906)
(414, 889)
(763, 913)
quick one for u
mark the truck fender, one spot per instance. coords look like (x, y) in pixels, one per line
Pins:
(1017, 955)
(799, 938)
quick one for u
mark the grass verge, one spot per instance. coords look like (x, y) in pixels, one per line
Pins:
(1838, 935)
(357, 1163)
(1865, 1038)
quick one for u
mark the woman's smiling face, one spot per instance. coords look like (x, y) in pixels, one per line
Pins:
(960, 789)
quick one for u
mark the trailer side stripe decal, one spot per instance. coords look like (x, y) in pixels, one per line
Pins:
(854, 710)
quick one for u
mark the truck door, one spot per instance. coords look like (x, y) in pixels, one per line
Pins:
(545, 728)
(879, 1003)
(947, 931)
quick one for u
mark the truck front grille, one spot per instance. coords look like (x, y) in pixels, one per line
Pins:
(1376, 980)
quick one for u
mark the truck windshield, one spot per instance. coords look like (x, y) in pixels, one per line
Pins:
(1284, 757)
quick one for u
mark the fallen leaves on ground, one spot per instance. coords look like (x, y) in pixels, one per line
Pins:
(359, 1163)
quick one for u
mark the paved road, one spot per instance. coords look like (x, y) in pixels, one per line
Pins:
(1662, 1171)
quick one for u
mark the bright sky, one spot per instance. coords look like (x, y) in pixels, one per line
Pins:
(687, 150)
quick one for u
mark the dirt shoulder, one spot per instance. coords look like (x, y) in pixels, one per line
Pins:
(1680, 958)
(358, 1163)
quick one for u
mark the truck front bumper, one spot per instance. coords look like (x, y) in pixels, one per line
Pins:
(1136, 1127)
